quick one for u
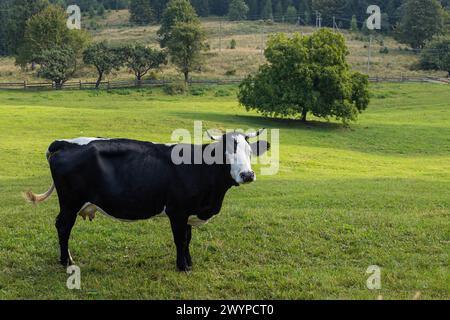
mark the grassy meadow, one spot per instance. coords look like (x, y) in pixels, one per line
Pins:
(345, 198)
(221, 62)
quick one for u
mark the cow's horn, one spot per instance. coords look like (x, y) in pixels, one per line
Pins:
(255, 134)
(212, 137)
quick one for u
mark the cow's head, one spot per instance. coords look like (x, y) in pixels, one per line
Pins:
(238, 152)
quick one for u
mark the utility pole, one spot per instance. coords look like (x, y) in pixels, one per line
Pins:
(335, 26)
(369, 55)
(220, 35)
(318, 19)
(262, 41)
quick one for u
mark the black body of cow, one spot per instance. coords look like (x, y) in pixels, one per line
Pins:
(135, 180)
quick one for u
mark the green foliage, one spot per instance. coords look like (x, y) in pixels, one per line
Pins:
(233, 44)
(306, 74)
(141, 59)
(230, 73)
(101, 10)
(291, 14)
(201, 7)
(140, 12)
(238, 10)
(104, 58)
(422, 19)
(330, 8)
(182, 34)
(197, 91)
(14, 15)
(57, 64)
(384, 50)
(436, 54)
(267, 12)
(174, 89)
(177, 11)
(222, 93)
(47, 30)
(354, 24)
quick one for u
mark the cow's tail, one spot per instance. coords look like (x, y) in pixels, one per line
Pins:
(33, 198)
(37, 198)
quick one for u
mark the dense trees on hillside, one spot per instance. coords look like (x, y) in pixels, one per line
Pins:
(14, 15)
(238, 10)
(436, 54)
(421, 20)
(141, 12)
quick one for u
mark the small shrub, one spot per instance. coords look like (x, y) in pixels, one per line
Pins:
(233, 44)
(222, 93)
(231, 72)
(174, 88)
(197, 91)
(120, 92)
(152, 75)
(384, 50)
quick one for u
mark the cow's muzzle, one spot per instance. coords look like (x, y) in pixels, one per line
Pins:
(247, 177)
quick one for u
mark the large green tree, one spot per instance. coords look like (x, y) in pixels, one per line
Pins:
(177, 11)
(306, 74)
(47, 30)
(140, 59)
(422, 19)
(104, 58)
(238, 10)
(57, 64)
(186, 43)
(267, 10)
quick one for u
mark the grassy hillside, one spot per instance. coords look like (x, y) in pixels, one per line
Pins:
(377, 193)
(250, 36)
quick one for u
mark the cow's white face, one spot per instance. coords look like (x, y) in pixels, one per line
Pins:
(238, 154)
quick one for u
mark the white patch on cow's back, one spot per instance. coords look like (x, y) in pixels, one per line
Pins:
(82, 141)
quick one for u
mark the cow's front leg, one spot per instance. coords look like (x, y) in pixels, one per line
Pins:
(188, 242)
(179, 230)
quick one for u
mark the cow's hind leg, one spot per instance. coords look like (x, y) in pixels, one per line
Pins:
(64, 224)
(188, 242)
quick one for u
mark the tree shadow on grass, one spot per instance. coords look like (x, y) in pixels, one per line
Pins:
(380, 139)
(256, 121)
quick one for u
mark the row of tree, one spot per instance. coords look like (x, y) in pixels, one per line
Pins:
(150, 10)
(58, 50)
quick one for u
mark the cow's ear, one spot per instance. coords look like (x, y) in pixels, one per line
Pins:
(260, 147)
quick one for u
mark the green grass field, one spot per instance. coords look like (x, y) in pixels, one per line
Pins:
(377, 193)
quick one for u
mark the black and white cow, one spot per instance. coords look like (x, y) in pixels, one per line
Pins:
(133, 180)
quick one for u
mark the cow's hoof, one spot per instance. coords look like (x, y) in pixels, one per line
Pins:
(184, 268)
(67, 262)
(189, 262)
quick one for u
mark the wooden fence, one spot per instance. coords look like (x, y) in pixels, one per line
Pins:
(121, 84)
(117, 84)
